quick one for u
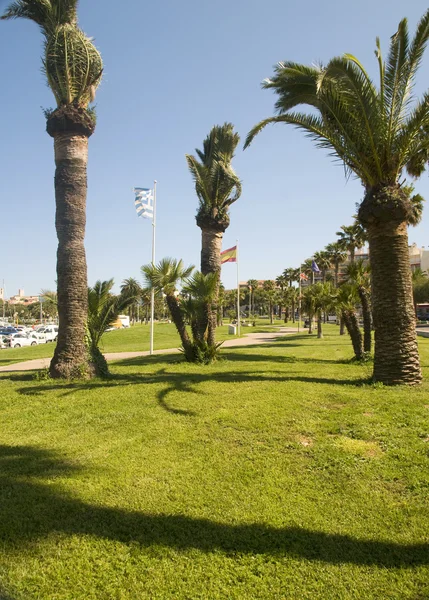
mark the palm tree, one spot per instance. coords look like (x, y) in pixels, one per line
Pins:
(270, 292)
(200, 290)
(291, 275)
(103, 309)
(317, 299)
(346, 300)
(165, 277)
(252, 285)
(378, 133)
(217, 187)
(352, 238)
(323, 261)
(336, 255)
(420, 287)
(73, 69)
(357, 274)
(131, 287)
(281, 283)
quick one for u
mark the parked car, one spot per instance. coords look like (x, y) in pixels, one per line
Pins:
(3, 341)
(50, 332)
(17, 340)
(38, 336)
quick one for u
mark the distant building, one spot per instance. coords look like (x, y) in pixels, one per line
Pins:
(20, 298)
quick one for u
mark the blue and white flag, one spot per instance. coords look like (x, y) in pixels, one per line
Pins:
(144, 202)
(314, 267)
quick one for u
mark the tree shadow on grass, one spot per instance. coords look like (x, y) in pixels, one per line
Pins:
(184, 381)
(32, 509)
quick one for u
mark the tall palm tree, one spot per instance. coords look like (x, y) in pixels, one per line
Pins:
(103, 309)
(358, 274)
(252, 285)
(165, 277)
(217, 187)
(73, 69)
(352, 238)
(323, 261)
(270, 293)
(336, 255)
(378, 133)
(291, 275)
(131, 287)
(281, 283)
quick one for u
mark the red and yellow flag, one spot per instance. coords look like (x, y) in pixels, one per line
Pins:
(229, 255)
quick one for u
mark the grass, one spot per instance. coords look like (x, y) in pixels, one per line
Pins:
(134, 339)
(276, 473)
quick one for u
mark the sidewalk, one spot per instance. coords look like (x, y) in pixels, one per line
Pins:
(249, 339)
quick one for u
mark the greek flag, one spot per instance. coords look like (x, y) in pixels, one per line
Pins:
(144, 202)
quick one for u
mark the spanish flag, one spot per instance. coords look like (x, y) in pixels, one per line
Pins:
(229, 255)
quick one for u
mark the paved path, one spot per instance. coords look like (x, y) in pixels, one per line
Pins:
(423, 331)
(249, 339)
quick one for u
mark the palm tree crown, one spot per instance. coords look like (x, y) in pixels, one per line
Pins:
(72, 64)
(216, 183)
(373, 131)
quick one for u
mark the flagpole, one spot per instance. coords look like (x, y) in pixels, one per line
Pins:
(238, 294)
(152, 294)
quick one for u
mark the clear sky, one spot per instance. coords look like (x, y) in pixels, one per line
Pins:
(172, 71)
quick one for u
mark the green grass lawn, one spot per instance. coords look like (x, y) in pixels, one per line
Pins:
(276, 473)
(134, 339)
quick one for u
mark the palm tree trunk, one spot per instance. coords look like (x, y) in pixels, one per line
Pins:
(211, 245)
(342, 324)
(71, 357)
(179, 322)
(319, 325)
(367, 318)
(271, 314)
(396, 357)
(351, 322)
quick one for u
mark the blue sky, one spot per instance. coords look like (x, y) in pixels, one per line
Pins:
(172, 71)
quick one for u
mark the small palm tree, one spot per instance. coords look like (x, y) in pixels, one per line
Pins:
(165, 277)
(200, 290)
(358, 274)
(217, 187)
(346, 300)
(73, 69)
(131, 287)
(377, 132)
(321, 300)
(103, 309)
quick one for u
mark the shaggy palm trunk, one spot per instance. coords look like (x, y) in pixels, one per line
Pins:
(367, 318)
(211, 245)
(71, 129)
(396, 357)
(351, 322)
(385, 212)
(179, 322)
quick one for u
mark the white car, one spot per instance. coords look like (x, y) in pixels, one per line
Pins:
(50, 332)
(17, 340)
(39, 336)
